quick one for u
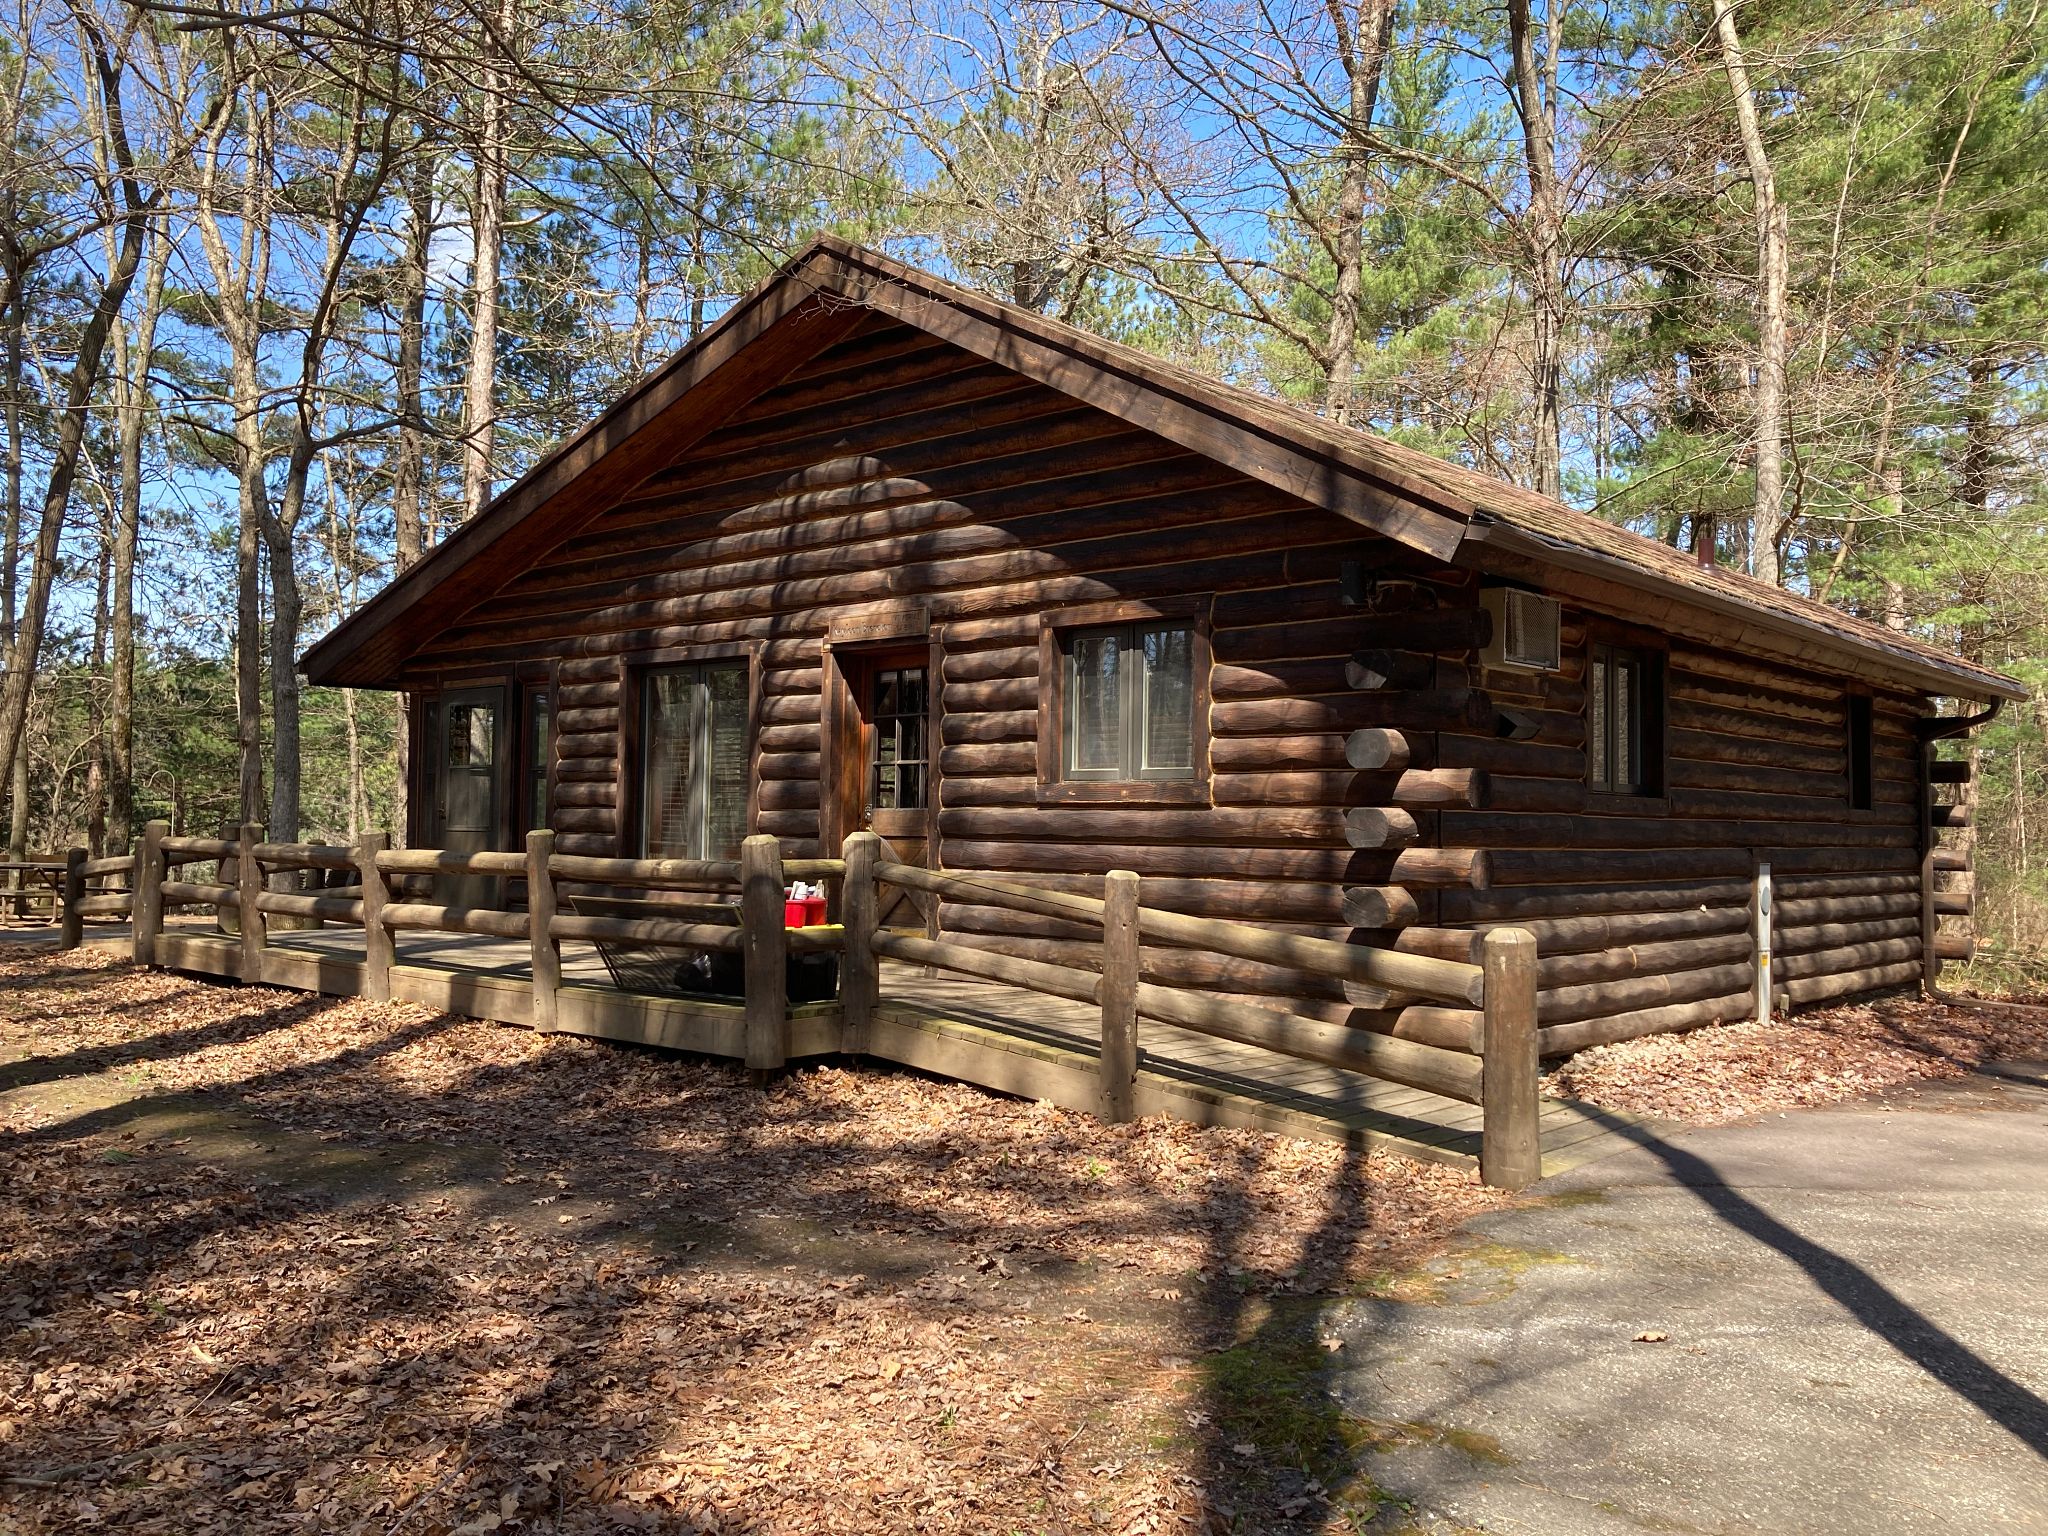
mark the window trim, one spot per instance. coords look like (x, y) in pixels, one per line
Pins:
(885, 819)
(629, 831)
(1054, 786)
(536, 695)
(1651, 794)
(427, 773)
(843, 766)
(424, 793)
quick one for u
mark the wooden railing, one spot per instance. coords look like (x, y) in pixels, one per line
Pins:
(380, 903)
(1501, 1078)
(382, 900)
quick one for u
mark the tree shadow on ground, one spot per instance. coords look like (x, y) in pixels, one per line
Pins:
(1909, 1331)
(485, 1340)
(1274, 1440)
(263, 1014)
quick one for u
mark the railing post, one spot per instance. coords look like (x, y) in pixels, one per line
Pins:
(546, 950)
(229, 873)
(378, 951)
(71, 933)
(249, 882)
(1116, 1067)
(860, 969)
(766, 942)
(1511, 1147)
(146, 907)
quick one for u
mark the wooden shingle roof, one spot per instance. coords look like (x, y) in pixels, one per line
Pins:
(1442, 509)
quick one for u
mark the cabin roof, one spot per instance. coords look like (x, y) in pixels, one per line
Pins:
(1445, 510)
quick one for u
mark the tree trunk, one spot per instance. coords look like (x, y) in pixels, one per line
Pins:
(69, 440)
(241, 284)
(358, 797)
(96, 706)
(287, 607)
(1536, 106)
(17, 793)
(349, 200)
(409, 482)
(408, 476)
(487, 228)
(133, 395)
(1364, 41)
(10, 578)
(1773, 275)
(1973, 489)
(252, 511)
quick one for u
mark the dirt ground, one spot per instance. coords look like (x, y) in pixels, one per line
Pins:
(283, 1264)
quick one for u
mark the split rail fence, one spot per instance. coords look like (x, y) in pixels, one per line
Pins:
(380, 891)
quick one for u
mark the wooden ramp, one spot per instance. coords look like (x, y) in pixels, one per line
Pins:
(994, 1036)
(1023, 1042)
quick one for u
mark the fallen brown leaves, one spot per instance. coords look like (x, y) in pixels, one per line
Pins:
(463, 1278)
(1731, 1071)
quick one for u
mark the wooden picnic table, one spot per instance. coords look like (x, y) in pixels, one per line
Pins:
(15, 879)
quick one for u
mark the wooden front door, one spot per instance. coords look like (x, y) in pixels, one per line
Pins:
(888, 774)
(469, 755)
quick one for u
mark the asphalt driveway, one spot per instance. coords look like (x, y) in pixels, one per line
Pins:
(1830, 1321)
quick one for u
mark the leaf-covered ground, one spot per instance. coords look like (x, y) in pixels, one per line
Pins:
(1731, 1071)
(282, 1264)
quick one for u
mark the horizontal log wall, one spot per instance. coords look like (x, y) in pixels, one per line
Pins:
(1655, 893)
(1365, 784)
(894, 468)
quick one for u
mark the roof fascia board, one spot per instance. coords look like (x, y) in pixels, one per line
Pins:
(609, 441)
(1507, 550)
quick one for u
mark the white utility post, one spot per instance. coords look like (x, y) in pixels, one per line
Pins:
(1763, 943)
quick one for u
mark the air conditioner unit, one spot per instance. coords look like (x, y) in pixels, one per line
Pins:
(1525, 630)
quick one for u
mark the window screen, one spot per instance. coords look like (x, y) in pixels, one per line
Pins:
(472, 736)
(898, 771)
(1623, 740)
(1130, 703)
(539, 744)
(693, 757)
(429, 761)
(1860, 720)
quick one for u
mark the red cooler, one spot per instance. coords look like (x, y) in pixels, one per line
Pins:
(808, 913)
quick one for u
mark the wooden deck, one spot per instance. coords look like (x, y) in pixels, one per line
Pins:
(994, 1036)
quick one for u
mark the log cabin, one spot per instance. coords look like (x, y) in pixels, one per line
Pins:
(879, 553)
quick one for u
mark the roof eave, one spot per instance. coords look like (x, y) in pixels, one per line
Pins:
(1960, 681)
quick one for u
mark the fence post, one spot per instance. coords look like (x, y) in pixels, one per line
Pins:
(1762, 916)
(72, 932)
(1116, 1068)
(146, 906)
(229, 919)
(249, 881)
(378, 951)
(860, 969)
(766, 942)
(1511, 1147)
(546, 950)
